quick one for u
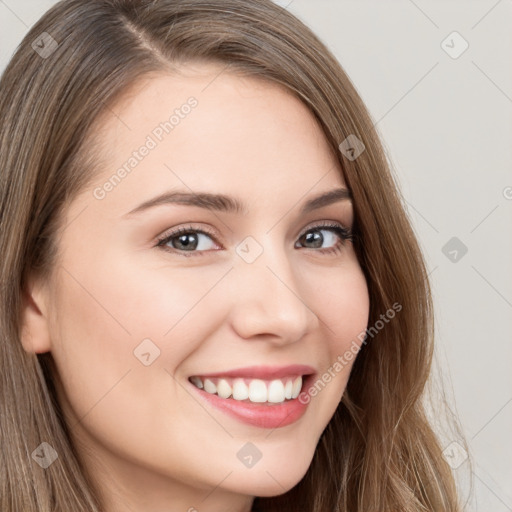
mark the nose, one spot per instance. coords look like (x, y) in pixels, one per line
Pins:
(268, 300)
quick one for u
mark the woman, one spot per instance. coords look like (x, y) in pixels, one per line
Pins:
(170, 339)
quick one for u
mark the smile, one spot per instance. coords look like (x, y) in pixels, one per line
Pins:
(260, 396)
(252, 390)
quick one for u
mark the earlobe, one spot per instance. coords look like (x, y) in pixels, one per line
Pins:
(34, 327)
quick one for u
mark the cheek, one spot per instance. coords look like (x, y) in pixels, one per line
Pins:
(343, 308)
(116, 317)
(93, 340)
(103, 315)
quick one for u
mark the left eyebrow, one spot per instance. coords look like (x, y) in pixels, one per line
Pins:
(224, 203)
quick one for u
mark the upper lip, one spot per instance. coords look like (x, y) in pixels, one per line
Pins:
(263, 372)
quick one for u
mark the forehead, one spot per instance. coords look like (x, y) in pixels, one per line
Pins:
(204, 128)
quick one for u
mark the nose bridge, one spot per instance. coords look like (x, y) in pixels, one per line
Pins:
(267, 297)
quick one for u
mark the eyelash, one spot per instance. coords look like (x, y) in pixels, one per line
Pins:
(345, 234)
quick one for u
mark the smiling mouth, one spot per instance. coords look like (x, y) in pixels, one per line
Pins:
(251, 390)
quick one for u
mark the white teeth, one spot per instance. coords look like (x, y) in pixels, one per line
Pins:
(209, 386)
(297, 384)
(288, 389)
(276, 391)
(258, 390)
(223, 389)
(240, 390)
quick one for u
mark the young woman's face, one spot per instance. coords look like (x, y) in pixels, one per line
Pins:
(260, 297)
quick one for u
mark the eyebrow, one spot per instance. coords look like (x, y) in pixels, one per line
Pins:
(224, 203)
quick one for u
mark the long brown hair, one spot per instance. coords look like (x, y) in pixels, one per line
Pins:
(378, 453)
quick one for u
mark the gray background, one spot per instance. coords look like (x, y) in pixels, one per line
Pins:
(446, 124)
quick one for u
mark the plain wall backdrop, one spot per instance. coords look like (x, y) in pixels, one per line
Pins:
(437, 79)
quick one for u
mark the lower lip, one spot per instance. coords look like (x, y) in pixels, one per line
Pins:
(263, 415)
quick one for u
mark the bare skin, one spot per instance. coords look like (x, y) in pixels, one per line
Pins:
(148, 441)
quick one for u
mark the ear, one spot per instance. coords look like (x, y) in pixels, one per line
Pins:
(35, 328)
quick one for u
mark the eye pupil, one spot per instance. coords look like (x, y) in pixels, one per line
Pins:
(183, 241)
(315, 237)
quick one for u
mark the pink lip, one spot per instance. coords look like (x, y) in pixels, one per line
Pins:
(263, 372)
(264, 415)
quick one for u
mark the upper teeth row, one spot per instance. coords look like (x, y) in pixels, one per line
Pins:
(256, 390)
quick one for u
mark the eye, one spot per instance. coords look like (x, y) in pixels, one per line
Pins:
(195, 241)
(185, 239)
(334, 230)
